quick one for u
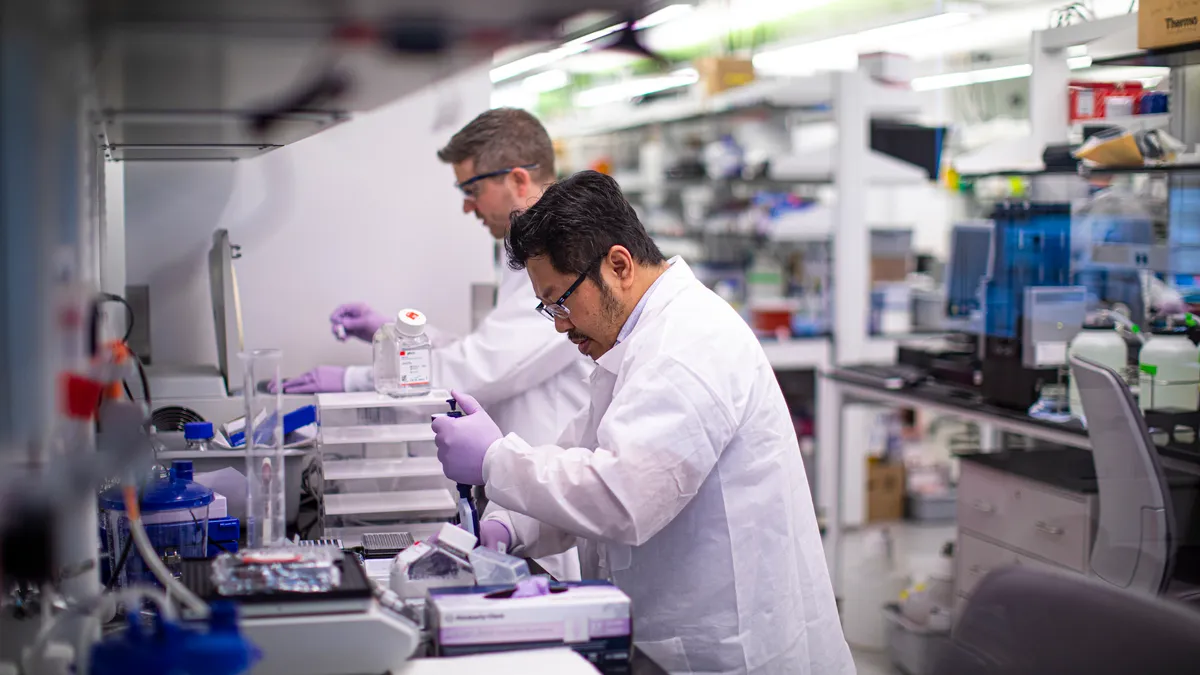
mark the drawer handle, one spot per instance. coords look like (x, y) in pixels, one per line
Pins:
(1043, 526)
(980, 505)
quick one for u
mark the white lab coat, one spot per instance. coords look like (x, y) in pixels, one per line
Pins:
(530, 379)
(684, 476)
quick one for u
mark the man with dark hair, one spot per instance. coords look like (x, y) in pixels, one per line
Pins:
(514, 362)
(683, 478)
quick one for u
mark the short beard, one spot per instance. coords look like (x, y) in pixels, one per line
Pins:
(610, 306)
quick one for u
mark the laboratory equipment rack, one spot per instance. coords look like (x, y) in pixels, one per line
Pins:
(381, 473)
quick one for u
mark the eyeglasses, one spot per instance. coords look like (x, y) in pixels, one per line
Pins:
(558, 310)
(466, 184)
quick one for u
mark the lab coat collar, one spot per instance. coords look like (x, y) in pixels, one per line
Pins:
(513, 282)
(672, 282)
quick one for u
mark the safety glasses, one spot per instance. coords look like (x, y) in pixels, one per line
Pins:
(558, 310)
(470, 192)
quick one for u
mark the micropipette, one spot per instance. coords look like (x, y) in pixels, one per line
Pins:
(468, 514)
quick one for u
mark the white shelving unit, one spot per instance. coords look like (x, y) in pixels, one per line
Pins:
(384, 433)
(378, 464)
(798, 353)
(849, 99)
(382, 467)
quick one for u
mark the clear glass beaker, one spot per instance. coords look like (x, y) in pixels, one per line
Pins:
(265, 502)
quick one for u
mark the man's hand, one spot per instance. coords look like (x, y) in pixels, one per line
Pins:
(462, 442)
(319, 380)
(355, 319)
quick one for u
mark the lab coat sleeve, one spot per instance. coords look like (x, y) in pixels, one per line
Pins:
(359, 378)
(530, 537)
(511, 351)
(659, 440)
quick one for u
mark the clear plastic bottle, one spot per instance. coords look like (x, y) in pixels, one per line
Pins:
(1169, 371)
(403, 363)
(1101, 343)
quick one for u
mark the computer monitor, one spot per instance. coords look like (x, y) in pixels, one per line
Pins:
(968, 263)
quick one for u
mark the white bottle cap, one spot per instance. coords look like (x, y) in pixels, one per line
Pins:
(410, 322)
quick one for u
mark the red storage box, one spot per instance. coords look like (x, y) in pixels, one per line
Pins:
(1087, 98)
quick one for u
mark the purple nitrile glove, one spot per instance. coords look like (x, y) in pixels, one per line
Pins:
(492, 533)
(463, 441)
(532, 587)
(356, 319)
(319, 380)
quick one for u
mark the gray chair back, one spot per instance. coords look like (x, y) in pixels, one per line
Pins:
(1133, 545)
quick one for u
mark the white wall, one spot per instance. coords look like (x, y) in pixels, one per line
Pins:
(364, 211)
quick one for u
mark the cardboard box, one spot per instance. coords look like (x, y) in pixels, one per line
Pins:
(1165, 23)
(885, 491)
(718, 74)
(889, 269)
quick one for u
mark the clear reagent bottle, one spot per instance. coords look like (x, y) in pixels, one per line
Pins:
(403, 364)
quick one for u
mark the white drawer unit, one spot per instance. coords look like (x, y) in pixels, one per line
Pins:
(983, 504)
(1051, 525)
(975, 558)
(1008, 519)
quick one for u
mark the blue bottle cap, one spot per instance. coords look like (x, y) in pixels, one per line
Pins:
(177, 492)
(198, 431)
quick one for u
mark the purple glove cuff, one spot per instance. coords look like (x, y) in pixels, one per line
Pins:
(492, 532)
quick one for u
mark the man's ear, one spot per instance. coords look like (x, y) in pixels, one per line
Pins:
(622, 265)
(522, 182)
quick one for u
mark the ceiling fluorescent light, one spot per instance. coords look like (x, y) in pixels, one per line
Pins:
(668, 13)
(716, 20)
(789, 60)
(965, 78)
(546, 81)
(962, 79)
(582, 44)
(623, 91)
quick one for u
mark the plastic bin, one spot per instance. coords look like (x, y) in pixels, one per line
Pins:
(933, 508)
(913, 649)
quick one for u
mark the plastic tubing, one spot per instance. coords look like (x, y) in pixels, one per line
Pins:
(142, 541)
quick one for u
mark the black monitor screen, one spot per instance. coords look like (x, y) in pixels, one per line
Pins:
(970, 253)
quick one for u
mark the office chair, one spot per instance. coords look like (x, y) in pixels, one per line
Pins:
(1022, 621)
(1134, 538)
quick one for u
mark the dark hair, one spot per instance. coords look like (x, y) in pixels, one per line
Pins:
(575, 222)
(502, 138)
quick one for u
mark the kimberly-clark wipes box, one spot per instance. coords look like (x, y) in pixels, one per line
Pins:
(591, 617)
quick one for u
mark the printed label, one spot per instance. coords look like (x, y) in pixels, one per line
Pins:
(1050, 353)
(414, 367)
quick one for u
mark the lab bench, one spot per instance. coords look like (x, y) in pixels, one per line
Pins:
(1036, 508)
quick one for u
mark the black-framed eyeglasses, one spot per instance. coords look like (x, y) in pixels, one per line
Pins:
(466, 184)
(558, 310)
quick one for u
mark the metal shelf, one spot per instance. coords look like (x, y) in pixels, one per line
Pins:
(1166, 57)
(1084, 171)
